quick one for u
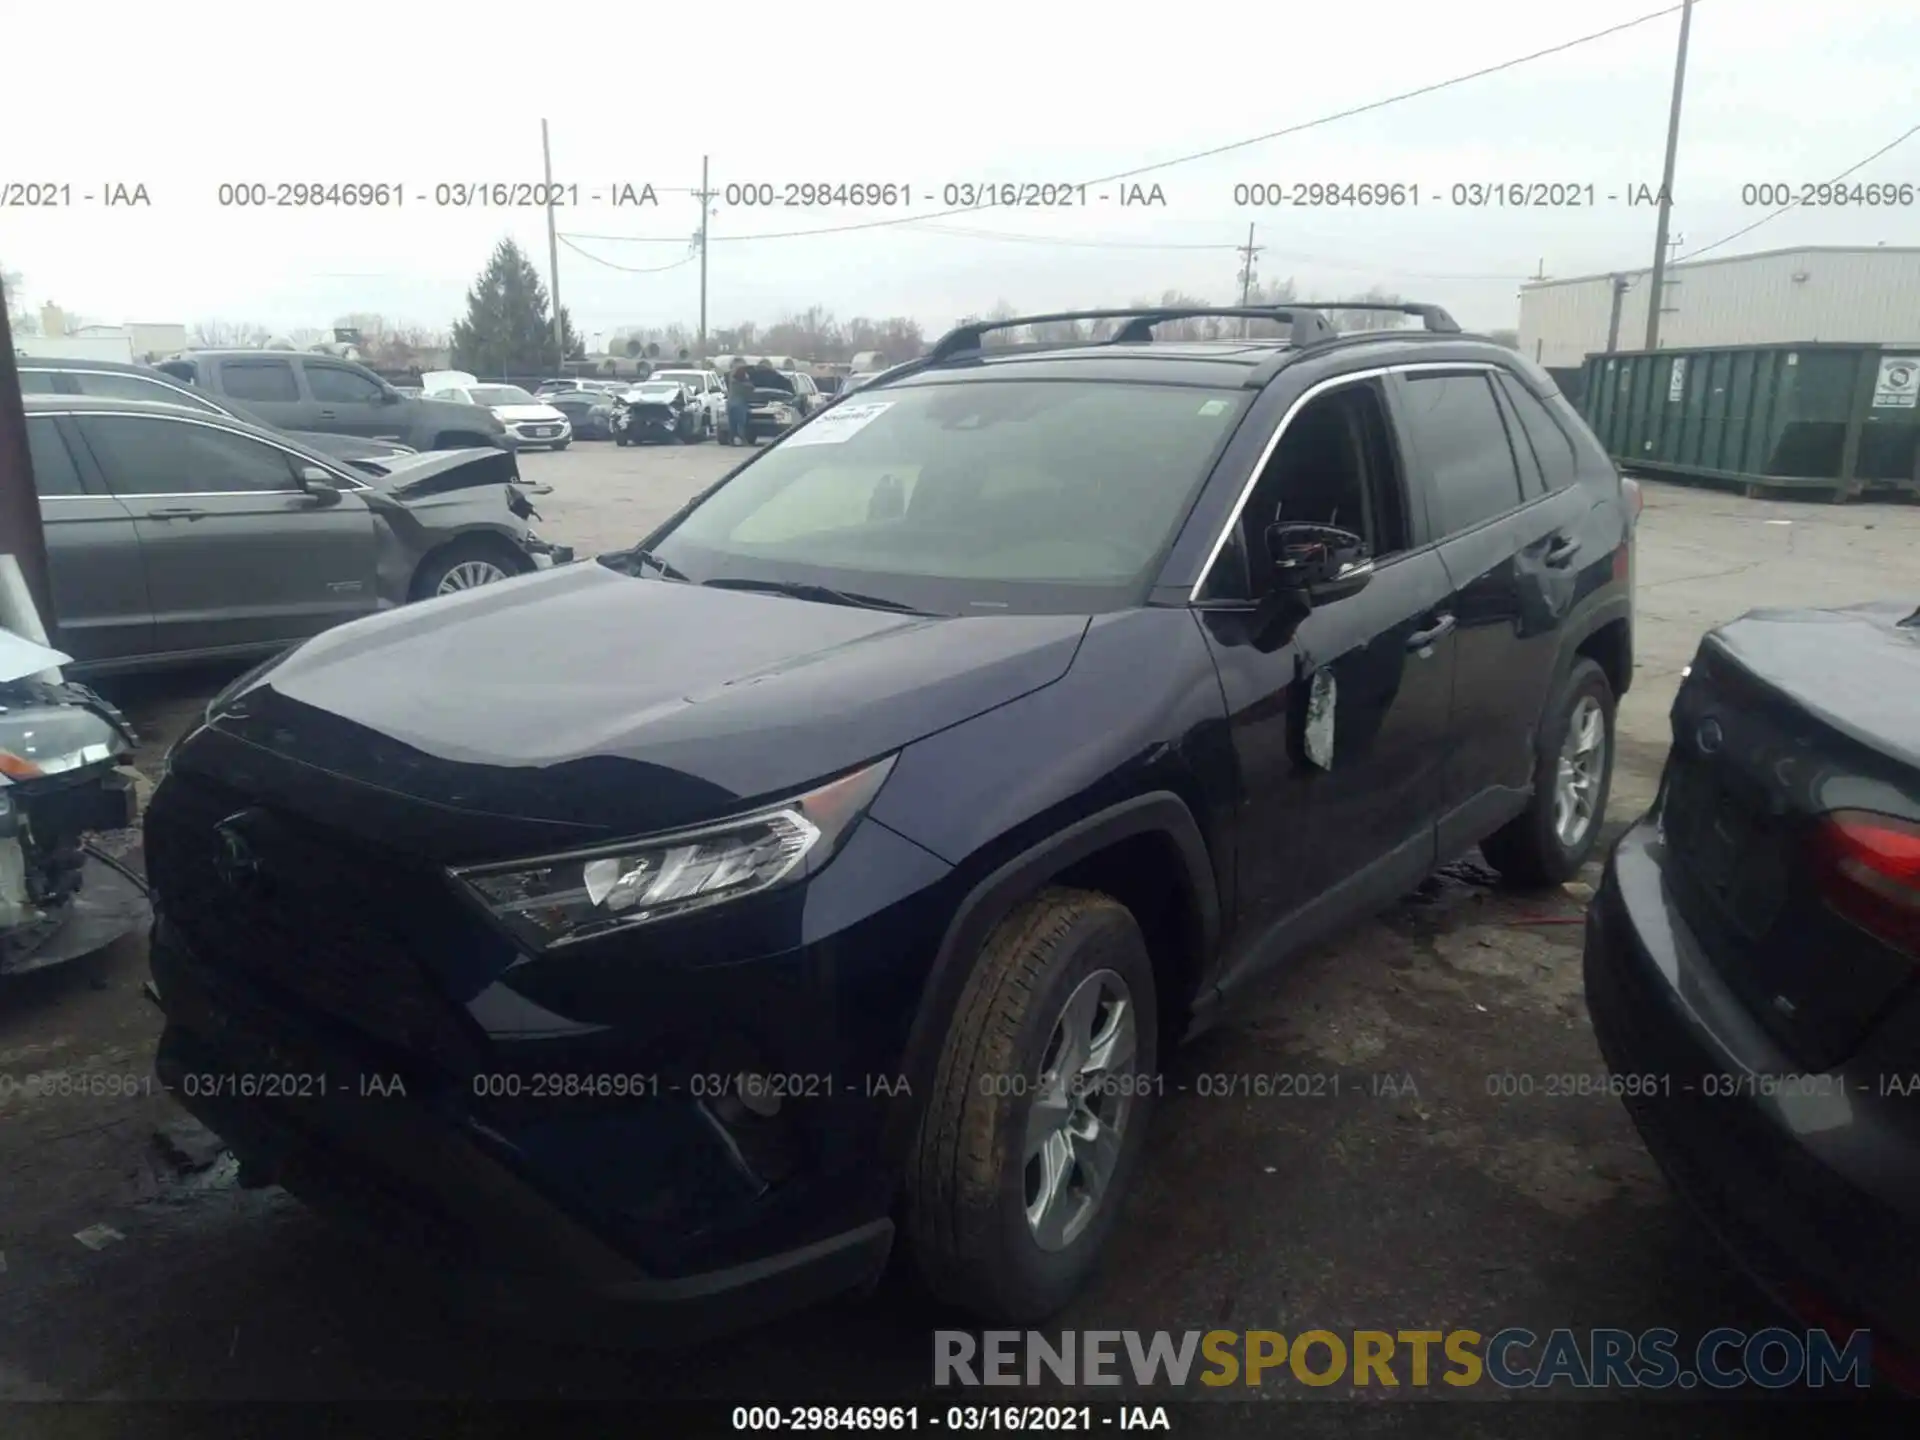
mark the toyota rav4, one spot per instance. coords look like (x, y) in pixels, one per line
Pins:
(831, 871)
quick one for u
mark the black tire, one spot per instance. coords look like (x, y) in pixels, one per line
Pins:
(433, 569)
(561, 446)
(1528, 850)
(621, 440)
(967, 1176)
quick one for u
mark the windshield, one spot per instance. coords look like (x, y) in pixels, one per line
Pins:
(501, 395)
(653, 391)
(1035, 496)
(685, 377)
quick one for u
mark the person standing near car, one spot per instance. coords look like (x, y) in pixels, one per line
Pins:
(740, 404)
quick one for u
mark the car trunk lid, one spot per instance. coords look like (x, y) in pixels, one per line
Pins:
(1791, 812)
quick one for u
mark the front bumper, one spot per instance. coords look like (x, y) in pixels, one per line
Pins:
(545, 554)
(338, 1133)
(532, 434)
(563, 1128)
(1813, 1190)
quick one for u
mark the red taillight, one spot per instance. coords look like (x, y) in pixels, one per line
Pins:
(1870, 874)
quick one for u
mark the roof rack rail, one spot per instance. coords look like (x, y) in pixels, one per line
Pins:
(1432, 317)
(1306, 323)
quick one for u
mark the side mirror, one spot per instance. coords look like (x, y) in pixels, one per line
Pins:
(391, 397)
(324, 489)
(1319, 563)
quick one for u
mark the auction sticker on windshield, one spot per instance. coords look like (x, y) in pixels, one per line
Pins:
(840, 424)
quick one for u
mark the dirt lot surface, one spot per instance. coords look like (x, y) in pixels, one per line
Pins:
(1433, 1203)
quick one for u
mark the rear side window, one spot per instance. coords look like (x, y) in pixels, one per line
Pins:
(112, 386)
(1460, 445)
(53, 469)
(1550, 443)
(258, 380)
(341, 387)
(146, 455)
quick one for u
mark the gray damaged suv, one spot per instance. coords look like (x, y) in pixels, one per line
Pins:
(175, 535)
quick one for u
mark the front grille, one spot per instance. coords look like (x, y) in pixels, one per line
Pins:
(315, 924)
(1730, 855)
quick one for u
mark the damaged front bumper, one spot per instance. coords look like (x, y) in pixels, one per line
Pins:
(545, 554)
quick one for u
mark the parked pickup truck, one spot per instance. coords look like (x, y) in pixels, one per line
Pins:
(296, 390)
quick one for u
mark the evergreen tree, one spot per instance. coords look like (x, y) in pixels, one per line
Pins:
(508, 329)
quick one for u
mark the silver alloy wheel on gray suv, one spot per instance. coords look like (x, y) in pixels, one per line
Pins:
(469, 575)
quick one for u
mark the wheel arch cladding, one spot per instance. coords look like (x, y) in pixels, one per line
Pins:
(1609, 644)
(1147, 853)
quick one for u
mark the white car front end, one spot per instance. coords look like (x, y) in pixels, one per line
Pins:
(532, 426)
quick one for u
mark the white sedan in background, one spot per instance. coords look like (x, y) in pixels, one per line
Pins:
(531, 423)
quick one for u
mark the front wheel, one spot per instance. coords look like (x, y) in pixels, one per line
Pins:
(620, 439)
(1548, 842)
(467, 565)
(562, 445)
(1039, 1109)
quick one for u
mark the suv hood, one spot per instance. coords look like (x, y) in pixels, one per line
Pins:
(517, 413)
(586, 704)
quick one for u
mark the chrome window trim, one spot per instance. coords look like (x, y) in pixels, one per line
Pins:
(293, 455)
(1313, 392)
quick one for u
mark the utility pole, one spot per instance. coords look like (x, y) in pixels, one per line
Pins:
(1620, 283)
(706, 206)
(553, 250)
(1657, 295)
(1247, 252)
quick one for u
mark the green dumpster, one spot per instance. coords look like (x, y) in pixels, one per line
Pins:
(1814, 421)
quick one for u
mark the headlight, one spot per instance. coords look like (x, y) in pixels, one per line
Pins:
(49, 739)
(558, 900)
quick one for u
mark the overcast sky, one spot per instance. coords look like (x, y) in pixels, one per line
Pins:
(183, 97)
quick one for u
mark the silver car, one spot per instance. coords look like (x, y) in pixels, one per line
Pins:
(175, 535)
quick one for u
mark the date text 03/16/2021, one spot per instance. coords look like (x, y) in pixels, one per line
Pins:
(965, 1419)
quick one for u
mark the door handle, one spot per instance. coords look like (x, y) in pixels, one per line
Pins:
(1421, 639)
(1561, 550)
(328, 415)
(177, 512)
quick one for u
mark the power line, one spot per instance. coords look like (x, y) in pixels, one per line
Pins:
(1347, 114)
(1749, 229)
(686, 259)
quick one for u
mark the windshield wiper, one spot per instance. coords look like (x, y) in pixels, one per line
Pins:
(826, 594)
(626, 561)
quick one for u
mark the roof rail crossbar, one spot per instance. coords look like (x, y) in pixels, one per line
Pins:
(1431, 317)
(1307, 324)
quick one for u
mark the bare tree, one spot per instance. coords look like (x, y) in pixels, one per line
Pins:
(1348, 320)
(229, 335)
(19, 319)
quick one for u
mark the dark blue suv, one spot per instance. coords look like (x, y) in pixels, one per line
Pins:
(683, 932)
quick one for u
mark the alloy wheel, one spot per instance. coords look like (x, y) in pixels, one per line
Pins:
(1080, 1110)
(469, 575)
(1582, 766)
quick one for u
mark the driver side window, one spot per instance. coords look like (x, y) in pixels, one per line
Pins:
(1336, 464)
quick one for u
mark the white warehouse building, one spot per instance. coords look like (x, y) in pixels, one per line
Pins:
(1847, 294)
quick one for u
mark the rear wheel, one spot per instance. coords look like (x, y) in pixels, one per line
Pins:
(1039, 1109)
(1550, 840)
(467, 565)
